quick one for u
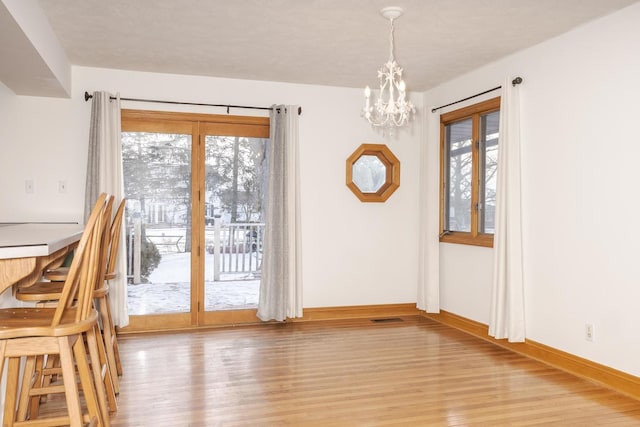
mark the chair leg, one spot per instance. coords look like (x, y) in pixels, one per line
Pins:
(69, 379)
(107, 327)
(7, 415)
(103, 363)
(3, 349)
(86, 381)
(13, 369)
(116, 351)
(30, 377)
(93, 343)
(114, 338)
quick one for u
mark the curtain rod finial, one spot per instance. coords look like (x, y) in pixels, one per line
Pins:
(87, 96)
(516, 81)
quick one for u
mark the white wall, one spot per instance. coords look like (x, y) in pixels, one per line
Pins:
(580, 151)
(353, 253)
(39, 142)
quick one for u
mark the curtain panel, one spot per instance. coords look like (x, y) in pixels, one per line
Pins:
(281, 278)
(507, 298)
(429, 227)
(104, 174)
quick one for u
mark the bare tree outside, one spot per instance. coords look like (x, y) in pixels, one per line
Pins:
(234, 177)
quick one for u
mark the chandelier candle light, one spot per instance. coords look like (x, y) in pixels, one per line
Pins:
(391, 109)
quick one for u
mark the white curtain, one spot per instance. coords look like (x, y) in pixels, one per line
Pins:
(429, 250)
(507, 299)
(281, 278)
(104, 174)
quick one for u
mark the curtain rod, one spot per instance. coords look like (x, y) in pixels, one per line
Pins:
(514, 82)
(88, 96)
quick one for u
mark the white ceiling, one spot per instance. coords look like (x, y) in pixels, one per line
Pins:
(324, 42)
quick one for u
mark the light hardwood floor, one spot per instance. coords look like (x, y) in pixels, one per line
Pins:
(413, 372)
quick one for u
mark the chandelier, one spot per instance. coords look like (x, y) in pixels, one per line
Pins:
(391, 109)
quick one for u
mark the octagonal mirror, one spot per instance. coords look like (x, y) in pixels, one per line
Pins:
(373, 172)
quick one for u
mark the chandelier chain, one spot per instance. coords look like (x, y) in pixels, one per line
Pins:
(391, 41)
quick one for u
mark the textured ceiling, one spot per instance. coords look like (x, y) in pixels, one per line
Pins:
(325, 42)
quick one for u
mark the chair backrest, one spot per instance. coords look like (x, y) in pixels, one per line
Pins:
(105, 243)
(114, 245)
(87, 265)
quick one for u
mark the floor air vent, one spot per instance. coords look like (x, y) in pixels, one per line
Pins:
(387, 320)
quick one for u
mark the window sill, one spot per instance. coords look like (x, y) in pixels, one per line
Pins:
(484, 240)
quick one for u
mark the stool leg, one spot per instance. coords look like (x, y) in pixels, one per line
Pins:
(30, 378)
(108, 377)
(107, 327)
(116, 351)
(113, 338)
(93, 343)
(13, 369)
(69, 379)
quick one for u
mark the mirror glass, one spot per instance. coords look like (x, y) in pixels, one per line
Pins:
(369, 173)
(373, 172)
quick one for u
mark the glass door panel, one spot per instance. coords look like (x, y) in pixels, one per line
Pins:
(235, 171)
(458, 146)
(157, 179)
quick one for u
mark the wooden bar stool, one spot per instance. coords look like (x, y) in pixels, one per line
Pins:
(48, 293)
(26, 332)
(104, 308)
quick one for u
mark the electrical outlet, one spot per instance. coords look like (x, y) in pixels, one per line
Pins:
(28, 186)
(588, 332)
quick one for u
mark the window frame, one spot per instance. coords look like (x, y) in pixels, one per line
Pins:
(473, 112)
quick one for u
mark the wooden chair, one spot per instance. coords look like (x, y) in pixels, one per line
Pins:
(59, 274)
(104, 308)
(26, 332)
(48, 293)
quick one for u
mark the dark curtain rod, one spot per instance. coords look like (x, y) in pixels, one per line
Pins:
(514, 82)
(88, 96)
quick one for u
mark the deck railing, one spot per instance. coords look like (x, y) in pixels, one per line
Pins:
(236, 248)
(232, 248)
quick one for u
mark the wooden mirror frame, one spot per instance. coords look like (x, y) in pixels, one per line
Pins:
(391, 163)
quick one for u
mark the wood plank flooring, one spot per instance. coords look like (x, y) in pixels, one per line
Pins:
(413, 372)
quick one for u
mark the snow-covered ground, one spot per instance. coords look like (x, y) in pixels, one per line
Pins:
(170, 288)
